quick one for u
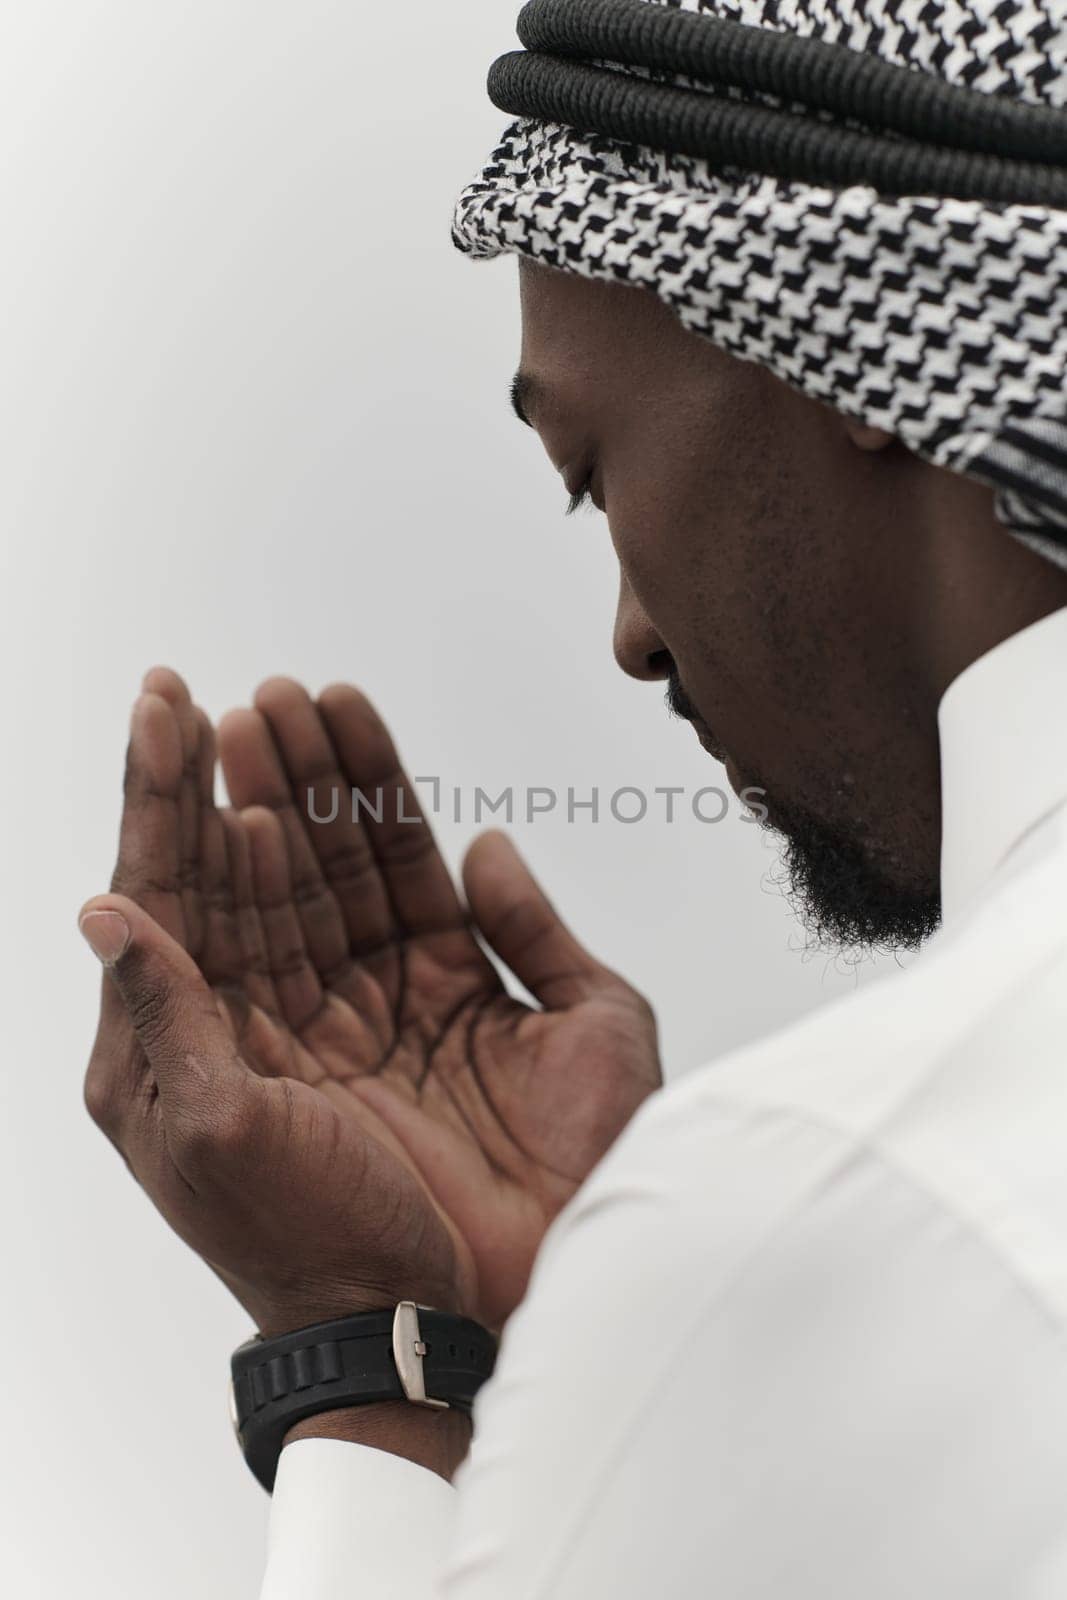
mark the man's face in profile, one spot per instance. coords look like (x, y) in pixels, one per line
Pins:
(767, 551)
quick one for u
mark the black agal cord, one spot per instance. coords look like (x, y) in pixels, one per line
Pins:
(918, 134)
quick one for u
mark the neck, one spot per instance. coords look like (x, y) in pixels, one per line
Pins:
(991, 808)
(981, 585)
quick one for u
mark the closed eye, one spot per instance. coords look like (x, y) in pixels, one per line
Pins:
(581, 498)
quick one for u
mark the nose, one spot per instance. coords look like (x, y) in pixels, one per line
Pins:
(639, 650)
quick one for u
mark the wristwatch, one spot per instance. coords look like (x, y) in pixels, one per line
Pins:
(411, 1352)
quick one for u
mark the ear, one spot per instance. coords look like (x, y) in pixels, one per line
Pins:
(865, 437)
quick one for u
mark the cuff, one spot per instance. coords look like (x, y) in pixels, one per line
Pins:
(348, 1520)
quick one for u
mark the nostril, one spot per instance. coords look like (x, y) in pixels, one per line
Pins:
(638, 648)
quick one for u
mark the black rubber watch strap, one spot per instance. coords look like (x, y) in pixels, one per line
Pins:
(406, 1353)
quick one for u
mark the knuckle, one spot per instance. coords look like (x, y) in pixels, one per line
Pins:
(110, 1067)
(310, 893)
(130, 774)
(137, 880)
(350, 867)
(289, 961)
(220, 899)
(646, 1011)
(627, 995)
(151, 1011)
(100, 1101)
(415, 844)
(523, 924)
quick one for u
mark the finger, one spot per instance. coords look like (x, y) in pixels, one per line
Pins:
(149, 865)
(419, 887)
(165, 683)
(327, 816)
(520, 924)
(116, 1083)
(255, 962)
(221, 951)
(210, 934)
(292, 972)
(201, 1081)
(256, 776)
(148, 869)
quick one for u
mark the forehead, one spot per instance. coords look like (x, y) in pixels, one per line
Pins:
(565, 312)
(612, 345)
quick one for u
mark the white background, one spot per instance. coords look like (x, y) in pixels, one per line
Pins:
(254, 420)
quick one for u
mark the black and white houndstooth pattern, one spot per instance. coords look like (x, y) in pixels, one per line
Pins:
(1016, 48)
(942, 321)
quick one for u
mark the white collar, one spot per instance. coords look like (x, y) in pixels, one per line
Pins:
(1003, 727)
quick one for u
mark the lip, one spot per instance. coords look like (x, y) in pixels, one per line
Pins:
(707, 743)
(717, 753)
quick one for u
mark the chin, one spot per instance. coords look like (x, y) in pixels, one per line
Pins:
(847, 895)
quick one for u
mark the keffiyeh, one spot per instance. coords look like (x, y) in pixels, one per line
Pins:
(938, 317)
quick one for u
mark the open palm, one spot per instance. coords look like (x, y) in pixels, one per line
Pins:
(433, 1124)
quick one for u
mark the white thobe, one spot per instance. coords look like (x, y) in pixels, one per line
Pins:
(802, 1335)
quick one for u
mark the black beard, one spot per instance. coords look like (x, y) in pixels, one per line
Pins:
(840, 896)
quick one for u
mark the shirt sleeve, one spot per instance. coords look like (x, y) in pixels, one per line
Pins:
(755, 1360)
(348, 1520)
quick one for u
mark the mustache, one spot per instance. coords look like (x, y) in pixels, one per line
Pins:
(678, 702)
(680, 705)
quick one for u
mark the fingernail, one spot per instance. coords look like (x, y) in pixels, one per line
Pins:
(106, 933)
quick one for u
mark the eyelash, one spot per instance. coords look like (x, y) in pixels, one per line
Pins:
(581, 498)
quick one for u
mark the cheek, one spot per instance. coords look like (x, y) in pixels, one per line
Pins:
(681, 554)
(715, 568)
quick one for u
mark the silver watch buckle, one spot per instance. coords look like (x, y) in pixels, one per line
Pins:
(409, 1348)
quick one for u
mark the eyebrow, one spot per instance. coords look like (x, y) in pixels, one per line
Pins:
(522, 391)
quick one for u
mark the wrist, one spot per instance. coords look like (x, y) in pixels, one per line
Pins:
(402, 1381)
(436, 1439)
(277, 1318)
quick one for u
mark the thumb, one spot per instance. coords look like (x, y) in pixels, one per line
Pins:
(169, 1006)
(521, 925)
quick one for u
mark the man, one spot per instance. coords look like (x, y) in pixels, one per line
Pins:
(800, 1330)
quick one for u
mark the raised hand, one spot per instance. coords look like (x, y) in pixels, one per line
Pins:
(304, 1053)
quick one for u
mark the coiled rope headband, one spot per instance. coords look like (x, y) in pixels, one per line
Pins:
(867, 196)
